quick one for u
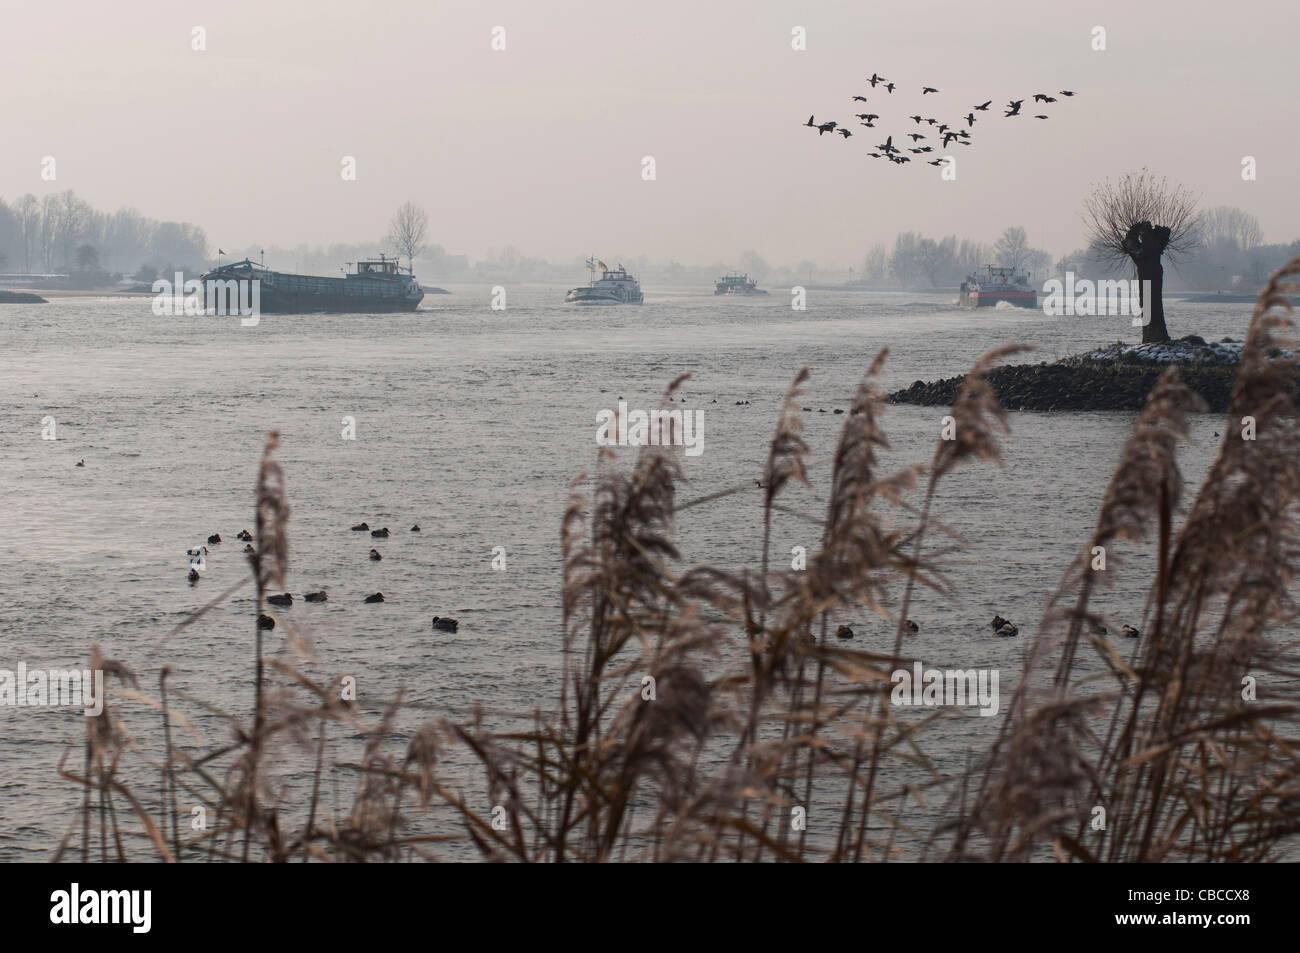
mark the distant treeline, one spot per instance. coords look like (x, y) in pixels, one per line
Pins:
(61, 233)
(1230, 253)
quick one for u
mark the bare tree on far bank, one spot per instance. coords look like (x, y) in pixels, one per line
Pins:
(1012, 249)
(408, 230)
(1142, 218)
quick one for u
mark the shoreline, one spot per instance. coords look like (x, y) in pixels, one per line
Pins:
(1113, 378)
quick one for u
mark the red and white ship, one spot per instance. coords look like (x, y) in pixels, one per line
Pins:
(995, 284)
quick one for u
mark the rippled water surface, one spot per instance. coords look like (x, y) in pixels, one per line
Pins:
(472, 423)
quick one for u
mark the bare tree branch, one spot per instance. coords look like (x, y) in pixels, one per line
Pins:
(1114, 208)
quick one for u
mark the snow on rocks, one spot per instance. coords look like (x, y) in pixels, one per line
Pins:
(1188, 350)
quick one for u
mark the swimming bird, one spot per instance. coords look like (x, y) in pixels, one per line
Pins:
(1129, 632)
(194, 576)
(282, 600)
(915, 136)
(415, 528)
(1013, 107)
(374, 555)
(265, 622)
(375, 597)
(912, 627)
(1008, 630)
(444, 625)
(81, 462)
(316, 596)
(998, 622)
(248, 548)
(379, 533)
(928, 89)
(985, 106)
(844, 632)
(244, 535)
(214, 539)
(360, 528)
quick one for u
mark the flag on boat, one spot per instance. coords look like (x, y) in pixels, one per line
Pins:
(602, 265)
(591, 264)
(221, 251)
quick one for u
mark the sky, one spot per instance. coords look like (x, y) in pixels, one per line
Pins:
(541, 144)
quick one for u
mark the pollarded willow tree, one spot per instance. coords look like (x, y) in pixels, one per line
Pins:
(1143, 218)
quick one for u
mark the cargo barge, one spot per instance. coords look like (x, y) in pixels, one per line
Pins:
(737, 284)
(996, 284)
(376, 285)
(614, 286)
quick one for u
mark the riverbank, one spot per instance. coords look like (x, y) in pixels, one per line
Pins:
(20, 297)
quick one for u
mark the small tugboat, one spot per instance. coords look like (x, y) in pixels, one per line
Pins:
(996, 284)
(737, 285)
(614, 286)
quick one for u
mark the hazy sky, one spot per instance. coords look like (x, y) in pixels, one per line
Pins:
(540, 145)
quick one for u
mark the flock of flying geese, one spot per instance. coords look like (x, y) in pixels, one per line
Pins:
(944, 133)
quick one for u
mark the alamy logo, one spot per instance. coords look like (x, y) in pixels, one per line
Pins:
(1106, 298)
(638, 428)
(228, 296)
(133, 907)
(936, 687)
(38, 688)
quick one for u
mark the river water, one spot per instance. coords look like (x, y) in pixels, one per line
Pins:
(472, 422)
